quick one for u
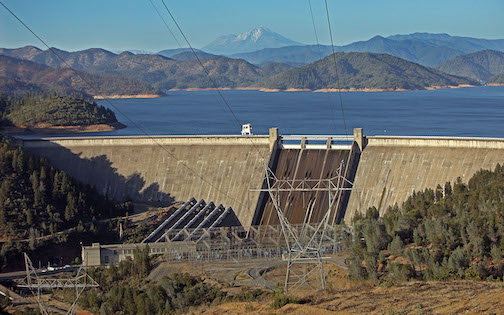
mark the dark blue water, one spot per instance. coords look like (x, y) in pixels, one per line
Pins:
(446, 112)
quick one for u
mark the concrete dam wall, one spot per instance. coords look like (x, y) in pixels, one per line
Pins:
(138, 168)
(391, 168)
(384, 170)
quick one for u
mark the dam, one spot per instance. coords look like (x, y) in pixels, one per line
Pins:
(229, 170)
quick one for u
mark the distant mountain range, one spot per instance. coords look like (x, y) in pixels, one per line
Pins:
(363, 71)
(22, 75)
(189, 55)
(150, 72)
(156, 70)
(480, 65)
(134, 51)
(423, 48)
(255, 39)
(79, 60)
(461, 43)
(293, 55)
(262, 45)
(168, 53)
(185, 54)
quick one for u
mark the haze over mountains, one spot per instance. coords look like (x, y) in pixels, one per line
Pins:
(22, 75)
(255, 39)
(262, 45)
(357, 71)
(395, 62)
(480, 65)
(423, 48)
(153, 70)
(363, 71)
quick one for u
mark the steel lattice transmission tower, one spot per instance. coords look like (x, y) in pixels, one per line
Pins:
(305, 244)
(36, 284)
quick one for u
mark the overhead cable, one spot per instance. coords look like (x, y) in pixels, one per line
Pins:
(118, 110)
(209, 76)
(336, 69)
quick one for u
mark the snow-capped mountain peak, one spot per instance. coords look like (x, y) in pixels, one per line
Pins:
(254, 34)
(254, 39)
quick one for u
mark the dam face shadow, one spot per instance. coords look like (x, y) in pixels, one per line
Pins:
(220, 169)
(98, 171)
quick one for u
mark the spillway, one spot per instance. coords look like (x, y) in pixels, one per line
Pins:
(301, 164)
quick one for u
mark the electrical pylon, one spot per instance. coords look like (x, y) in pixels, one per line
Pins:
(36, 284)
(304, 245)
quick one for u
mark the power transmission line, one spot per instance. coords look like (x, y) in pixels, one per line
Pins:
(170, 31)
(166, 24)
(315, 29)
(333, 114)
(208, 75)
(336, 69)
(201, 64)
(115, 107)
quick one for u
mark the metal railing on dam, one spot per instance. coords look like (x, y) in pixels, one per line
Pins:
(317, 142)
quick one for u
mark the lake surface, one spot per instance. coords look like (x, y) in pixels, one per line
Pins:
(446, 112)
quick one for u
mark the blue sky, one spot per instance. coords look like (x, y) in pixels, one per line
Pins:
(133, 24)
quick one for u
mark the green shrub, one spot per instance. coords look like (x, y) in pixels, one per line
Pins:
(443, 231)
(401, 272)
(396, 246)
(249, 295)
(280, 301)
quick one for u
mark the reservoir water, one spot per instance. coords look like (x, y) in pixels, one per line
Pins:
(446, 112)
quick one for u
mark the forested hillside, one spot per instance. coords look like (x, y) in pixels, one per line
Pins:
(37, 199)
(496, 79)
(22, 75)
(156, 70)
(32, 109)
(363, 71)
(424, 48)
(480, 65)
(447, 233)
(357, 70)
(273, 68)
(124, 289)
(165, 73)
(9, 86)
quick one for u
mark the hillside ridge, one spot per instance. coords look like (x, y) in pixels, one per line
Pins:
(480, 65)
(363, 71)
